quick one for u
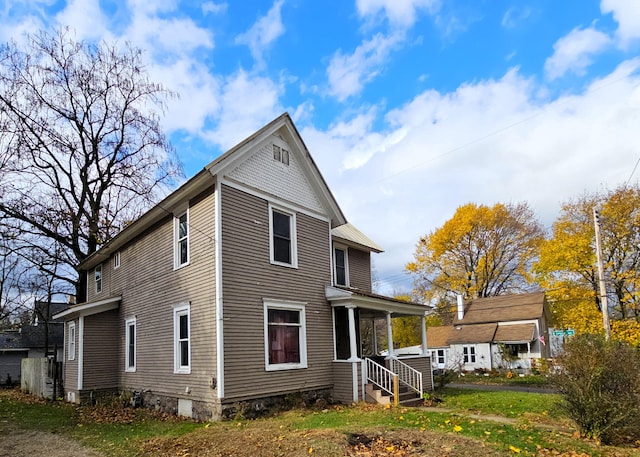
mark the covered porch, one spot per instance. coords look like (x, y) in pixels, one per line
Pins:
(366, 365)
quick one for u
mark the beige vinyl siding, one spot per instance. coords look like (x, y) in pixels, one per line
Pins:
(70, 366)
(360, 269)
(100, 351)
(249, 277)
(423, 365)
(343, 379)
(150, 288)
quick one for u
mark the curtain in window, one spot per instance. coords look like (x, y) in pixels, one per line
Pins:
(284, 336)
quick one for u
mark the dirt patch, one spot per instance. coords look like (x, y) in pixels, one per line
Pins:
(266, 442)
(29, 443)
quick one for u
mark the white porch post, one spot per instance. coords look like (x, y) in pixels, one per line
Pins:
(390, 335)
(353, 345)
(423, 322)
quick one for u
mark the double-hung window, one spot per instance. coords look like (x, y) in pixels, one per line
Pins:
(182, 339)
(440, 357)
(282, 228)
(341, 272)
(181, 235)
(469, 354)
(116, 260)
(130, 344)
(71, 347)
(285, 336)
(97, 273)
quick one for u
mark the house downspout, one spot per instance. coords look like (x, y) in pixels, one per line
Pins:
(219, 298)
(80, 350)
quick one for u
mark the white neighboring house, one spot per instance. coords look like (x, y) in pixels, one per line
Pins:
(437, 343)
(508, 331)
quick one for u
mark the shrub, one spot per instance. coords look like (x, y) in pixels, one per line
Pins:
(599, 382)
(443, 377)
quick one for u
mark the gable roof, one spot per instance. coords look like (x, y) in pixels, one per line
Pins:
(351, 235)
(437, 336)
(217, 170)
(503, 308)
(479, 333)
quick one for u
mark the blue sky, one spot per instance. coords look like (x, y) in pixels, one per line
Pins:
(410, 108)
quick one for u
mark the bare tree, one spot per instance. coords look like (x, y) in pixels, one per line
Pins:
(82, 152)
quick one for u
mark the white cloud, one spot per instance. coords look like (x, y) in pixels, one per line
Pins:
(627, 14)
(514, 16)
(86, 18)
(574, 52)
(247, 102)
(400, 13)
(486, 142)
(264, 32)
(214, 8)
(349, 73)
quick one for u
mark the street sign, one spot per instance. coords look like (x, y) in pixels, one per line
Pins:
(558, 332)
(568, 332)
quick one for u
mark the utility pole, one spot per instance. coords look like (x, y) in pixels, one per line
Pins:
(603, 288)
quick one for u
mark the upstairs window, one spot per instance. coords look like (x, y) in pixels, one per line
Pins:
(182, 339)
(116, 260)
(181, 248)
(283, 238)
(280, 154)
(97, 274)
(341, 276)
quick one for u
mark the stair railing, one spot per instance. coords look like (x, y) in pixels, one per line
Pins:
(387, 380)
(408, 375)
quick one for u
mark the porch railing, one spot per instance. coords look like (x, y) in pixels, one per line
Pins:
(387, 380)
(408, 375)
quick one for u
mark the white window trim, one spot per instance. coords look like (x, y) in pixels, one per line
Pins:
(294, 236)
(95, 278)
(344, 248)
(131, 322)
(116, 260)
(288, 306)
(179, 310)
(471, 354)
(71, 346)
(176, 233)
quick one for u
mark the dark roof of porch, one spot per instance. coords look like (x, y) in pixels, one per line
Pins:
(343, 296)
(518, 333)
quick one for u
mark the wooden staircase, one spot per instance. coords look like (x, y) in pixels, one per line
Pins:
(383, 385)
(406, 396)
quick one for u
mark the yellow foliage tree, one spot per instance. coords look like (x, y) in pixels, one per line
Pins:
(481, 251)
(566, 268)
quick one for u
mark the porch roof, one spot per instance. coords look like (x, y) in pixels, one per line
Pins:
(88, 309)
(343, 296)
(518, 333)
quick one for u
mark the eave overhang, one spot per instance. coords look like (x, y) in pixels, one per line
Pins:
(338, 296)
(88, 309)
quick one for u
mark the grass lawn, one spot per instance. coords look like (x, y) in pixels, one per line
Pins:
(454, 429)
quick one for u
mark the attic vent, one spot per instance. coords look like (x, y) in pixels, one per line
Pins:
(280, 154)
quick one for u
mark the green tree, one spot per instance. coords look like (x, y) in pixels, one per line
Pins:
(81, 148)
(567, 269)
(481, 251)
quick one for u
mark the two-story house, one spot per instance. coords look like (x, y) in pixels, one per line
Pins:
(244, 285)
